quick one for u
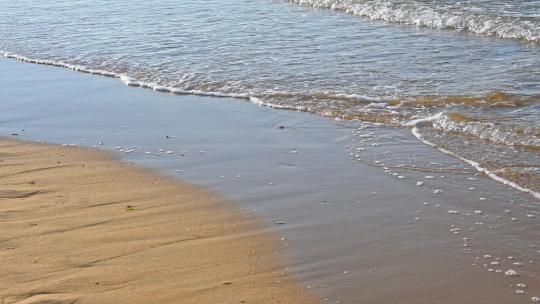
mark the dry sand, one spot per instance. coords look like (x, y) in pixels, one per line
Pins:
(77, 226)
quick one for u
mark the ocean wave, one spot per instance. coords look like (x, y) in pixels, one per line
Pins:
(480, 129)
(125, 79)
(493, 99)
(390, 111)
(427, 14)
(490, 131)
(265, 99)
(417, 133)
(358, 107)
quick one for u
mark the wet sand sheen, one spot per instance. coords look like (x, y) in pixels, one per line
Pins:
(78, 226)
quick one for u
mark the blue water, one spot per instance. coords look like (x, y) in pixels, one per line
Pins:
(386, 61)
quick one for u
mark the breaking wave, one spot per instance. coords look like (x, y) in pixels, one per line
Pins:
(411, 112)
(440, 15)
(493, 175)
(500, 133)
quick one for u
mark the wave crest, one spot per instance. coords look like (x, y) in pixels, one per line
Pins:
(444, 17)
(488, 130)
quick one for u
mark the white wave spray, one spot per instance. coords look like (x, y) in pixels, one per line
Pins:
(416, 132)
(427, 14)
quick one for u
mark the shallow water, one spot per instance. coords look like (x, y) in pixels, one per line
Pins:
(477, 73)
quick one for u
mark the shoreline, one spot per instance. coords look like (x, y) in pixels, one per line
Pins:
(81, 227)
(354, 229)
(131, 82)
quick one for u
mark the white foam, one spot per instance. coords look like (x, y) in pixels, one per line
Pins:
(74, 67)
(125, 79)
(418, 121)
(474, 164)
(488, 131)
(439, 16)
(262, 103)
(511, 272)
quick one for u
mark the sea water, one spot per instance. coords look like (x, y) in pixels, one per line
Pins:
(463, 75)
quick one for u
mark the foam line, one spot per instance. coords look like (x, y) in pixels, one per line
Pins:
(133, 82)
(475, 165)
(443, 16)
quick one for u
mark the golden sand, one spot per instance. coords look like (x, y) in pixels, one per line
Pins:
(77, 226)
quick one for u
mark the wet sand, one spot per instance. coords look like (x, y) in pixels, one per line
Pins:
(79, 227)
(343, 197)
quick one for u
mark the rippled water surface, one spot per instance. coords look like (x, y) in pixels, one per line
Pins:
(517, 19)
(464, 75)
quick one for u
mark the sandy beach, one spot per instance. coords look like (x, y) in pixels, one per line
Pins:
(79, 226)
(294, 151)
